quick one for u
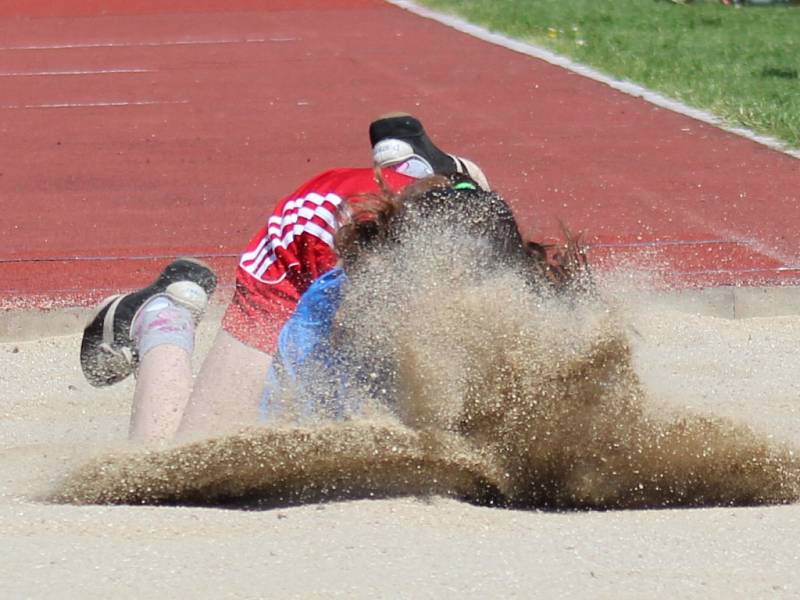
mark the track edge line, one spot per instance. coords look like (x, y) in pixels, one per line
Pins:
(624, 86)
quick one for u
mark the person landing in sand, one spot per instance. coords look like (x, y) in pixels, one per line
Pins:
(326, 366)
(151, 331)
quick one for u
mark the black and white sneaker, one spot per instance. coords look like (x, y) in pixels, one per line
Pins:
(400, 139)
(107, 350)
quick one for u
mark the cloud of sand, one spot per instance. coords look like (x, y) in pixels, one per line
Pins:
(491, 389)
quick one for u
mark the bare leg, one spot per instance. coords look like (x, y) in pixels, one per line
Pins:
(163, 333)
(157, 324)
(228, 389)
(163, 386)
(224, 397)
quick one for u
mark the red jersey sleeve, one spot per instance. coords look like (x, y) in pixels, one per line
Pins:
(291, 250)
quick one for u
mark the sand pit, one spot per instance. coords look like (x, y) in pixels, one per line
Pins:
(426, 546)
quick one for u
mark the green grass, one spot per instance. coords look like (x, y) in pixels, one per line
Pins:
(742, 64)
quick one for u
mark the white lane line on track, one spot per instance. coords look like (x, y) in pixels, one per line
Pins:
(654, 243)
(627, 87)
(151, 44)
(755, 246)
(738, 271)
(92, 104)
(77, 72)
(103, 258)
(760, 246)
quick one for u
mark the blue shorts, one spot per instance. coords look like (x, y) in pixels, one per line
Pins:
(305, 364)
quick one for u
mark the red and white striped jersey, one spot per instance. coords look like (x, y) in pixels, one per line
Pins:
(293, 249)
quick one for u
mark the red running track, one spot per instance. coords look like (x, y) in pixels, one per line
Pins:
(136, 131)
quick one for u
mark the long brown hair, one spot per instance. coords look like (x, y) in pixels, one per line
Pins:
(375, 220)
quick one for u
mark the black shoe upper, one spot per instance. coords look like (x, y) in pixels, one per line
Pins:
(181, 269)
(102, 367)
(409, 129)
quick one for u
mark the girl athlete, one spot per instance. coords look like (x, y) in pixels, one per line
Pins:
(315, 367)
(152, 331)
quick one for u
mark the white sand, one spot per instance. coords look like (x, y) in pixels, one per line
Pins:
(406, 548)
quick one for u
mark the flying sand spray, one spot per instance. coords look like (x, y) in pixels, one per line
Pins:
(477, 385)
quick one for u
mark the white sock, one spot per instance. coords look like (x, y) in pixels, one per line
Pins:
(162, 321)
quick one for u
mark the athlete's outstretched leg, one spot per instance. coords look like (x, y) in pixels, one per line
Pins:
(163, 334)
(163, 386)
(227, 390)
(151, 330)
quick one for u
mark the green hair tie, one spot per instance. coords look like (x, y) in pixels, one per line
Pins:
(465, 185)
